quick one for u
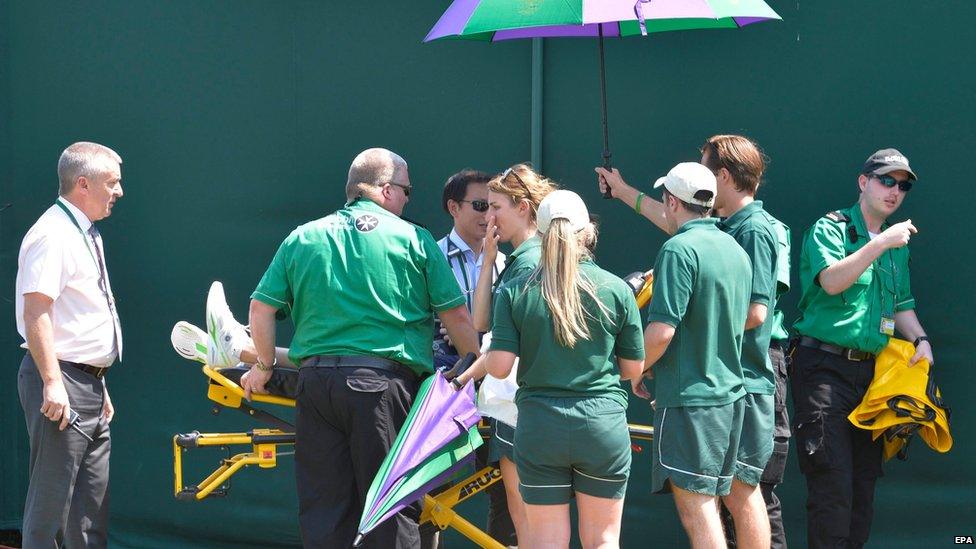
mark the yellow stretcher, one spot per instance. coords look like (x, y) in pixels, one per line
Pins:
(224, 389)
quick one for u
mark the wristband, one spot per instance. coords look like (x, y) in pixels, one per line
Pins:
(457, 385)
(920, 339)
(640, 197)
(261, 366)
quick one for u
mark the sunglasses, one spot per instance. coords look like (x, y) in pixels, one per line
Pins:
(511, 171)
(406, 188)
(477, 205)
(889, 182)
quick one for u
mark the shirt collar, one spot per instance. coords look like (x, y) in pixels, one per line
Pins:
(534, 242)
(459, 242)
(83, 222)
(857, 219)
(703, 223)
(745, 212)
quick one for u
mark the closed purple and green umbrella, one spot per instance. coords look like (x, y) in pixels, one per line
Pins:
(437, 438)
(496, 20)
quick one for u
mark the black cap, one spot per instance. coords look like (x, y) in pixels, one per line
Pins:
(886, 161)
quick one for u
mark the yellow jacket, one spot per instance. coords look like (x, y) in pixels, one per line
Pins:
(903, 400)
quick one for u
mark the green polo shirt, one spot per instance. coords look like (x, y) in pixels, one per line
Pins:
(702, 284)
(782, 278)
(852, 318)
(753, 228)
(361, 281)
(523, 325)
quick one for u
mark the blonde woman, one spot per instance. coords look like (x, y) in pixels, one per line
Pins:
(513, 200)
(577, 332)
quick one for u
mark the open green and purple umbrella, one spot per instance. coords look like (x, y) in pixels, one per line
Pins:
(496, 20)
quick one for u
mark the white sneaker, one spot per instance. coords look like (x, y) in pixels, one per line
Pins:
(189, 341)
(226, 336)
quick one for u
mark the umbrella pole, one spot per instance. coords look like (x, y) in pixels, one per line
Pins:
(603, 104)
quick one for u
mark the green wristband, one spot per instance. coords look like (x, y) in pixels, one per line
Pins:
(640, 197)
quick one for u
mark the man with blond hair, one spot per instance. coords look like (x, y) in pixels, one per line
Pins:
(66, 315)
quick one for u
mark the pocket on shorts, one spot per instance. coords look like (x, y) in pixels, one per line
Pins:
(811, 444)
(367, 384)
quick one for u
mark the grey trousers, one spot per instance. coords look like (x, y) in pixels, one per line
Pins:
(67, 499)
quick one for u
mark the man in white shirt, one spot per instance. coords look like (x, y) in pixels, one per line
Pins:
(66, 315)
(465, 199)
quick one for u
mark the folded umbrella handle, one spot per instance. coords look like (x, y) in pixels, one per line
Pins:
(460, 366)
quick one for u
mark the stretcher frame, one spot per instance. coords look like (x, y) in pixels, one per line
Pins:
(437, 509)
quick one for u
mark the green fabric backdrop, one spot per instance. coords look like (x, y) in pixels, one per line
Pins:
(237, 121)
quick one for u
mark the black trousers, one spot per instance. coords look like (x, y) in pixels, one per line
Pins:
(346, 420)
(841, 462)
(776, 466)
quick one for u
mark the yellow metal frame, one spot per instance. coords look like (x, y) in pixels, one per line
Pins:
(438, 508)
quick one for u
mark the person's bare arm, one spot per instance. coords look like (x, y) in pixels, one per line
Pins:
(909, 326)
(630, 368)
(841, 275)
(262, 320)
(499, 363)
(457, 320)
(40, 341)
(756, 316)
(650, 208)
(657, 337)
(481, 302)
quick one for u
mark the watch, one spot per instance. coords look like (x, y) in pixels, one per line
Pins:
(261, 366)
(920, 339)
(457, 384)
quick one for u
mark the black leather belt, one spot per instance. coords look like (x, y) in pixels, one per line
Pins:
(371, 362)
(99, 373)
(850, 354)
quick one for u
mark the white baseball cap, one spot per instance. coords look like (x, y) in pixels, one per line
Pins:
(686, 179)
(563, 204)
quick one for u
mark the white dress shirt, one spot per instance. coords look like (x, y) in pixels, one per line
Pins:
(58, 259)
(467, 267)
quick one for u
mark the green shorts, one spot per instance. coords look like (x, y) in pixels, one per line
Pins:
(502, 442)
(756, 440)
(695, 448)
(565, 445)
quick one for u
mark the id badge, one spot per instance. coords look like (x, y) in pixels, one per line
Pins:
(888, 326)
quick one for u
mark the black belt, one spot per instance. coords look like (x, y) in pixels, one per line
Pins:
(850, 354)
(99, 373)
(371, 362)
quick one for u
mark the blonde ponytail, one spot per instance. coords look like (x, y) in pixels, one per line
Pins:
(562, 283)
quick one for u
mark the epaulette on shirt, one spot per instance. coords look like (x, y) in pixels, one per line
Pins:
(838, 216)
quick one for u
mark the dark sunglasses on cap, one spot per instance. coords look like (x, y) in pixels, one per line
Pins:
(889, 182)
(477, 205)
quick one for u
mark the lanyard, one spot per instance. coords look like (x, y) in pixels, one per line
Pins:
(81, 232)
(455, 254)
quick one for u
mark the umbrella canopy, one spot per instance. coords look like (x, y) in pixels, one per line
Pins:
(437, 438)
(495, 20)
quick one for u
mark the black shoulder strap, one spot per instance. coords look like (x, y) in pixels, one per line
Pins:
(841, 218)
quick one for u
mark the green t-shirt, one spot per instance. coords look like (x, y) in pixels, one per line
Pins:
(522, 261)
(782, 279)
(852, 318)
(702, 284)
(361, 281)
(753, 228)
(523, 325)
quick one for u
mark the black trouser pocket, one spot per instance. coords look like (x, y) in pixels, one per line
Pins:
(811, 445)
(367, 384)
(776, 467)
